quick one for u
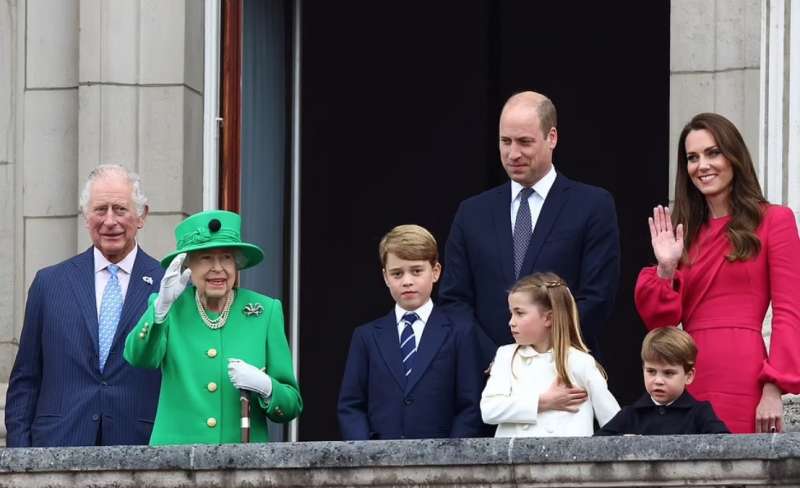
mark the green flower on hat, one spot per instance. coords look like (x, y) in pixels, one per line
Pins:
(213, 229)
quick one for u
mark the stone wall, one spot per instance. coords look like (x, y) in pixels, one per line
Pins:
(3, 388)
(140, 100)
(711, 460)
(715, 52)
(10, 193)
(84, 82)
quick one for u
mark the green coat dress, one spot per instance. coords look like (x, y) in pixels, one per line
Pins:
(198, 403)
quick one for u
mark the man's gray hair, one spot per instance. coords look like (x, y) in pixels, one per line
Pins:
(137, 196)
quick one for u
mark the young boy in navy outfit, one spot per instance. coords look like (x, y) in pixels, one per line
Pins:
(413, 373)
(668, 357)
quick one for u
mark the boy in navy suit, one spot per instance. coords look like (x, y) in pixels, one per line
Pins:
(412, 373)
(668, 357)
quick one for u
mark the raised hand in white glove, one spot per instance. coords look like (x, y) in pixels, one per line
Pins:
(247, 377)
(172, 285)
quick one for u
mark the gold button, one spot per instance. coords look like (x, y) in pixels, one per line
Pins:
(211, 422)
(212, 353)
(212, 387)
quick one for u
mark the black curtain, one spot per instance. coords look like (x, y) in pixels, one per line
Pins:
(400, 103)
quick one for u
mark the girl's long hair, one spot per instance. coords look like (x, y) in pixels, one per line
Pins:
(551, 294)
(746, 199)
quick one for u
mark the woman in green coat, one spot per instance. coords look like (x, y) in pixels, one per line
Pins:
(212, 339)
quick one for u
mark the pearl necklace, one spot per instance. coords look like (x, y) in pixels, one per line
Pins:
(220, 321)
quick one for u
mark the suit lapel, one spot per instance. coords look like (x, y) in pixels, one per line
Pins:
(138, 291)
(82, 280)
(435, 333)
(556, 198)
(501, 216)
(389, 346)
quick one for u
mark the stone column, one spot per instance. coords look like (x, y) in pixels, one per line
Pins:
(714, 66)
(84, 82)
(9, 241)
(141, 104)
(779, 159)
(38, 151)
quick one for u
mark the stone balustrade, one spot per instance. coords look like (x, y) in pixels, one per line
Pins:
(711, 460)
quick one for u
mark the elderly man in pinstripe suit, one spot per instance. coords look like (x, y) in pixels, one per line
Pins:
(70, 385)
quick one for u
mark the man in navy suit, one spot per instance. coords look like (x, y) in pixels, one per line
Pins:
(572, 232)
(413, 373)
(70, 385)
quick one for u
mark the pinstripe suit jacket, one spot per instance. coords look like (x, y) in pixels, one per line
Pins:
(57, 394)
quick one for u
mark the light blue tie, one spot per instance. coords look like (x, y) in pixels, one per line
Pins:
(110, 310)
(408, 344)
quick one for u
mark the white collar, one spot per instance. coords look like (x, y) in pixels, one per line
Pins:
(663, 404)
(530, 352)
(423, 312)
(541, 187)
(101, 263)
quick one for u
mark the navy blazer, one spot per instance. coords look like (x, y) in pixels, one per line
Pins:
(576, 237)
(56, 393)
(683, 416)
(440, 398)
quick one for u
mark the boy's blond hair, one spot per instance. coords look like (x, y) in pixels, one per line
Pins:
(670, 345)
(409, 242)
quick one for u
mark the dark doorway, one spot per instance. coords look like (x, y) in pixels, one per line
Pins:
(400, 102)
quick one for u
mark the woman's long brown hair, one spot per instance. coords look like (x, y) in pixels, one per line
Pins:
(746, 198)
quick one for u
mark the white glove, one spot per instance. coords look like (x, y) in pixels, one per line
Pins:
(247, 377)
(172, 285)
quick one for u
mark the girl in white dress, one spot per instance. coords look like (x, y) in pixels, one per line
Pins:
(547, 383)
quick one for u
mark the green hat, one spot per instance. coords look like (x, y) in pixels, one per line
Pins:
(213, 229)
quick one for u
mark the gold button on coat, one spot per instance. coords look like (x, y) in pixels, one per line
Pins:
(211, 422)
(212, 387)
(212, 353)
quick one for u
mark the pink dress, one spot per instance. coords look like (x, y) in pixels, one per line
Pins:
(722, 305)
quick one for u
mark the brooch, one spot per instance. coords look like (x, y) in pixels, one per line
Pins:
(253, 309)
(147, 280)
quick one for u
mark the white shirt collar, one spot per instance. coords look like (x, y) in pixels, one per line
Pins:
(423, 312)
(662, 404)
(101, 263)
(541, 187)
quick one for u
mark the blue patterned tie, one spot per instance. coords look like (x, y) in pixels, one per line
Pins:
(110, 309)
(408, 344)
(522, 230)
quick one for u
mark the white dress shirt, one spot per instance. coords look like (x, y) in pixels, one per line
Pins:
(511, 397)
(535, 201)
(102, 274)
(422, 312)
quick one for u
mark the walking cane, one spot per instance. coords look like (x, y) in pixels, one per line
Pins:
(244, 398)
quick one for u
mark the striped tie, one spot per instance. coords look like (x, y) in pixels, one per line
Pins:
(408, 345)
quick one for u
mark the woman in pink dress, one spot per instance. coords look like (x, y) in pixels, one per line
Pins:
(724, 255)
